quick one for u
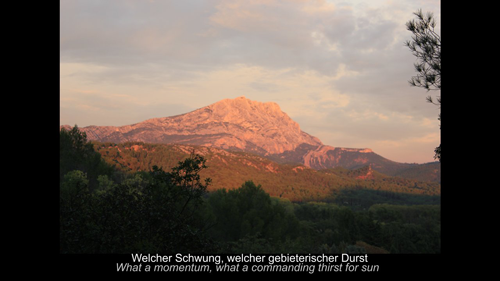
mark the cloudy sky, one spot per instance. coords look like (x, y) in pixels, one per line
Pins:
(338, 68)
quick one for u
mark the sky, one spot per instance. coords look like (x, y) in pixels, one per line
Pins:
(338, 68)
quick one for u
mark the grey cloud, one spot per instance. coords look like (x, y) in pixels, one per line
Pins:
(265, 87)
(218, 33)
(131, 32)
(121, 33)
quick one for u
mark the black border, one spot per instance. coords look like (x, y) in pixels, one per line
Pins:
(391, 265)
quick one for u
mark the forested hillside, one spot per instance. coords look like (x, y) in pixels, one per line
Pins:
(294, 182)
(254, 127)
(135, 197)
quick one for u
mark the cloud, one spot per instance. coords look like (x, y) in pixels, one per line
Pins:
(317, 35)
(131, 32)
(278, 34)
(339, 68)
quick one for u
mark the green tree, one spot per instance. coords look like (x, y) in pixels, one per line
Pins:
(74, 211)
(426, 47)
(155, 212)
(76, 153)
(73, 184)
(187, 176)
(348, 227)
(248, 216)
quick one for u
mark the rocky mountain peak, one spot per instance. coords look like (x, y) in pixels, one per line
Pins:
(259, 124)
(236, 124)
(241, 107)
(241, 124)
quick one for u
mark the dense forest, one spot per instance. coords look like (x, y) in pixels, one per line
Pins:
(124, 198)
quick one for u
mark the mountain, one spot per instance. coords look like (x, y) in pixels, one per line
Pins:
(244, 125)
(235, 124)
(325, 157)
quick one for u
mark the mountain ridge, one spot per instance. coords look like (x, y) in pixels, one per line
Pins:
(228, 169)
(241, 124)
(235, 124)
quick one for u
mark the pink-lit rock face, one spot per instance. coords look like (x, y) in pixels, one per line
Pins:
(244, 125)
(325, 156)
(239, 123)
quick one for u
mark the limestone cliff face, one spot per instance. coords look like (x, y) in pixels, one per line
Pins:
(237, 124)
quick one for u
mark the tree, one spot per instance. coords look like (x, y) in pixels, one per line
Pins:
(155, 212)
(77, 153)
(248, 220)
(426, 47)
(186, 175)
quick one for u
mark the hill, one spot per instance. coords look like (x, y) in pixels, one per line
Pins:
(250, 126)
(229, 169)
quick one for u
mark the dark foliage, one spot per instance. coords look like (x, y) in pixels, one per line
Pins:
(76, 153)
(155, 211)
